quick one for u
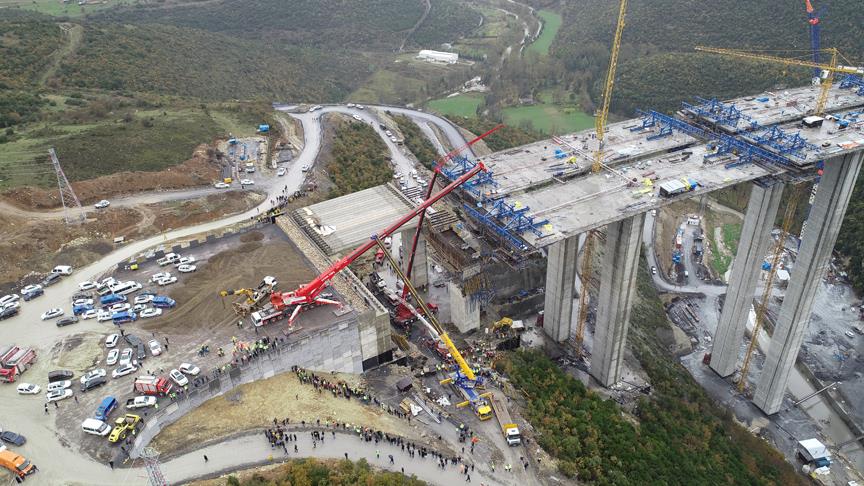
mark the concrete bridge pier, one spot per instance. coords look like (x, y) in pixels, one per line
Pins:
(560, 285)
(615, 299)
(817, 245)
(755, 238)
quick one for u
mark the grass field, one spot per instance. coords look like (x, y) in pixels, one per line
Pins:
(551, 23)
(462, 105)
(548, 118)
(57, 7)
(150, 141)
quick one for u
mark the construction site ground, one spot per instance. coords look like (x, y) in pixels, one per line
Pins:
(32, 246)
(200, 318)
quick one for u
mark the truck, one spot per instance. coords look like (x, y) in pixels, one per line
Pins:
(15, 362)
(152, 385)
(16, 463)
(268, 315)
(141, 401)
(508, 428)
(677, 186)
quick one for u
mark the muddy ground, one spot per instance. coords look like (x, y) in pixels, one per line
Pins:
(31, 247)
(202, 169)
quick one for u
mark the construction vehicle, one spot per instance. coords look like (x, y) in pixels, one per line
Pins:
(123, 426)
(310, 295)
(462, 377)
(255, 298)
(15, 362)
(16, 463)
(152, 385)
(508, 428)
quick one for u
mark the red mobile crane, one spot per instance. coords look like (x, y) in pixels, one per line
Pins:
(309, 295)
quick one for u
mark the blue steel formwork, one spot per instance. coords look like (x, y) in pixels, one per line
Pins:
(719, 112)
(852, 81)
(726, 144)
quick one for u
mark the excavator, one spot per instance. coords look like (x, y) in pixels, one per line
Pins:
(255, 298)
(462, 376)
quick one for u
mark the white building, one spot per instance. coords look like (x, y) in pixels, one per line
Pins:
(438, 56)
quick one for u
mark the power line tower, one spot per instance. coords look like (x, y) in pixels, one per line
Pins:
(151, 463)
(67, 195)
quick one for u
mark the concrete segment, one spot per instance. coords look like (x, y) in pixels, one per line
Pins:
(617, 288)
(755, 236)
(464, 311)
(560, 283)
(817, 245)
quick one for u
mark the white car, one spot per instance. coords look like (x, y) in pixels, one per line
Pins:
(107, 281)
(126, 356)
(111, 341)
(281, 172)
(93, 374)
(247, 182)
(189, 369)
(356, 117)
(221, 185)
(139, 307)
(82, 302)
(159, 276)
(185, 261)
(87, 285)
(8, 299)
(52, 313)
(103, 316)
(113, 355)
(155, 347)
(11, 305)
(102, 204)
(305, 168)
(151, 312)
(167, 280)
(28, 389)
(178, 378)
(90, 314)
(123, 370)
(187, 268)
(120, 307)
(59, 385)
(359, 107)
(144, 298)
(55, 395)
(31, 288)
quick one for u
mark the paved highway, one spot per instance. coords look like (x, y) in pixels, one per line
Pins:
(62, 463)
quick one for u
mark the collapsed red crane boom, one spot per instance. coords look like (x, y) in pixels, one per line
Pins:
(308, 294)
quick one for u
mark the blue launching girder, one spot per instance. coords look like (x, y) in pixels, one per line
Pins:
(725, 143)
(459, 166)
(718, 112)
(667, 123)
(490, 223)
(515, 220)
(784, 143)
(853, 81)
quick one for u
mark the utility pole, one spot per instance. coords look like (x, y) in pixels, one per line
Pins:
(67, 195)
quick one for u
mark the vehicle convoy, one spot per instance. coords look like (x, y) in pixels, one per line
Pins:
(14, 362)
(16, 463)
(508, 428)
(152, 385)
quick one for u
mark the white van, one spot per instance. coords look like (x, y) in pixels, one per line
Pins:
(62, 270)
(124, 288)
(95, 427)
(168, 259)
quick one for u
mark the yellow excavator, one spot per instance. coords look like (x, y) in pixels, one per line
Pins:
(254, 297)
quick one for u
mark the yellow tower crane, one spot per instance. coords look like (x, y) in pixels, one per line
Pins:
(788, 218)
(600, 127)
(829, 70)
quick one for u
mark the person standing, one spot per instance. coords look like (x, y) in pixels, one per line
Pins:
(205, 458)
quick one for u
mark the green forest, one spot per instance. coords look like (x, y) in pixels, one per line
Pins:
(416, 141)
(677, 435)
(314, 472)
(358, 159)
(503, 138)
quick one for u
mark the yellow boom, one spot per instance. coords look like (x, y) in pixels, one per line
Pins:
(603, 113)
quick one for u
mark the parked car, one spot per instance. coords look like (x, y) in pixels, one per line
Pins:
(144, 298)
(123, 370)
(140, 352)
(56, 395)
(185, 261)
(281, 172)
(11, 305)
(93, 374)
(51, 280)
(305, 168)
(102, 204)
(126, 356)
(8, 299)
(60, 375)
(221, 185)
(167, 281)
(52, 313)
(7, 313)
(189, 369)
(104, 315)
(155, 347)
(138, 307)
(31, 288)
(113, 356)
(87, 285)
(120, 307)
(59, 385)
(159, 276)
(151, 312)
(187, 268)
(93, 383)
(10, 437)
(28, 389)
(132, 339)
(90, 314)
(83, 301)
(178, 378)
(32, 294)
(247, 182)
(67, 321)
